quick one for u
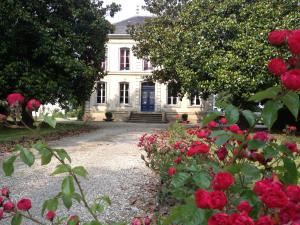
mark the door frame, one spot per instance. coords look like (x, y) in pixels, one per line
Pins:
(141, 92)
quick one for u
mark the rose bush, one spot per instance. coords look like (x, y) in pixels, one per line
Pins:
(218, 173)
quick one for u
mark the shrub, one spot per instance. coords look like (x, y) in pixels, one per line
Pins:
(184, 117)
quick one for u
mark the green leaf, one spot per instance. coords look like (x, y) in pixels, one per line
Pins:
(202, 180)
(210, 117)
(81, 171)
(77, 197)
(50, 121)
(250, 172)
(63, 154)
(26, 156)
(62, 168)
(249, 117)
(67, 200)
(16, 220)
(231, 114)
(270, 112)
(50, 205)
(291, 100)
(218, 133)
(222, 139)
(235, 168)
(8, 165)
(68, 188)
(255, 144)
(46, 154)
(270, 152)
(178, 180)
(269, 93)
(291, 173)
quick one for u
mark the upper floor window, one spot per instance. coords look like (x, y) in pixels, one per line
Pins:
(124, 93)
(101, 92)
(172, 96)
(196, 99)
(147, 65)
(104, 62)
(124, 58)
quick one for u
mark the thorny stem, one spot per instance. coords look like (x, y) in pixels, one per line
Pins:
(86, 205)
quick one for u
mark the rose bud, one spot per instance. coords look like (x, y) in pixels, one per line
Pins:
(5, 192)
(74, 219)
(136, 221)
(1, 214)
(24, 204)
(8, 206)
(50, 215)
(171, 171)
(147, 221)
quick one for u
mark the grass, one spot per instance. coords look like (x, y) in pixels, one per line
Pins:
(10, 134)
(291, 138)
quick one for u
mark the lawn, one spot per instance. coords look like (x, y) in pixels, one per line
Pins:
(9, 134)
(283, 137)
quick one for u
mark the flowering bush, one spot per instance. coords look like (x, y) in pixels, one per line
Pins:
(218, 173)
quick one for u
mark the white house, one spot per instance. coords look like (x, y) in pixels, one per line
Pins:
(125, 92)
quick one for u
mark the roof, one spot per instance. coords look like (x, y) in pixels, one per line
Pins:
(122, 26)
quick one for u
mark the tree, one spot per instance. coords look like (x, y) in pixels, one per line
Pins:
(52, 49)
(214, 46)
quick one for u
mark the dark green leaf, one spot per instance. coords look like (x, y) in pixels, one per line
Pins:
(250, 172)
(218, 133)
(44, 151)
(202, 180)
(178, 180)
(50, 204)
(62, 168)
(255, 144)
(222, 139)
(67, 200)
(8, 165)
(269, 93)
(26, 156)
(291, 100)
(16, 220)
(235, 168)
(270, 112)
(63, 154)
(68, 188)
(270, 152)
(81, 171)
(291, 173)
(249, 117)
(231, 114)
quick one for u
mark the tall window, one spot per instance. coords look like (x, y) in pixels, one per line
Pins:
(101, 92)
(124, 93)
(124, 58)
(172, 96)
(147, 65)
(196, 99)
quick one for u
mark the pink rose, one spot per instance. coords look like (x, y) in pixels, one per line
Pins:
(291, 79)
(277, 66)
(222, 181)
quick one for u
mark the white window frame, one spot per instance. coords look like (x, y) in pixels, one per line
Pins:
(120, 59)
(194, 98)
(172, 98)
(149, 65)
(101, 93)
(124, 84)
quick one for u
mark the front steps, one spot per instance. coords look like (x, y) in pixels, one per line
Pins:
(146, 118)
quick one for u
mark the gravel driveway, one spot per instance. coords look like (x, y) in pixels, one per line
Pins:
(112, 158)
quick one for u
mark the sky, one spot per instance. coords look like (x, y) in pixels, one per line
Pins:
(128, 9)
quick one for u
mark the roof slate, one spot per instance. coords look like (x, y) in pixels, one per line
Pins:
(122, 26)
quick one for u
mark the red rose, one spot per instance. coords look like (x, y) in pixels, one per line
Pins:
(240, 219)
(261, 136)
(1, 214)
(222, 153)
(171, 171)
(33, 105)
(288, 213)
(8, 206)
(219, 219)
(202, 199)
(293, 61)
(277, 66)
(24, 204)
(278, 37)
(212, 124)
(198, 148)
(178, 160)
(291, 79)
(223, 120)
(294, 42)
(74, 219)
(264, 220)
(136, 221)
(291, 146)
(203, 133)
(1, 201)
(5, 192)
(147, 221)
(261, 186)
(244, 206)
(274, 197)
(218, 200)
(50, 215)
(222, 181)
(234, 128)
(293, 192)
(14, 99)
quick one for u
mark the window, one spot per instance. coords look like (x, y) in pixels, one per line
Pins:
(101, 93)
(172, 96)
(147, 65)
(196, 99)
(124, 93)
(104, 63)
(124, 58)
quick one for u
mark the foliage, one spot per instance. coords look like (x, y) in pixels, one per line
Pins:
(184, 117)
(214, 46)
(52, 50)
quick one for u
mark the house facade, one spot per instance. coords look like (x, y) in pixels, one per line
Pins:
(124, 89)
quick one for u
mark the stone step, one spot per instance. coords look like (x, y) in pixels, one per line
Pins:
(146, 118)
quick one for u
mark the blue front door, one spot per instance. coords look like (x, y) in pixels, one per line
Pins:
(148, 97)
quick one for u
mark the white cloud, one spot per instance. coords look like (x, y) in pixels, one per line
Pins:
(128, 9)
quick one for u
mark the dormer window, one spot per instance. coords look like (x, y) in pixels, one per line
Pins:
(147, 65)
(124, 58)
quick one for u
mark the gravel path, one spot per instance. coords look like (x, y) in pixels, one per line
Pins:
(112, 159)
